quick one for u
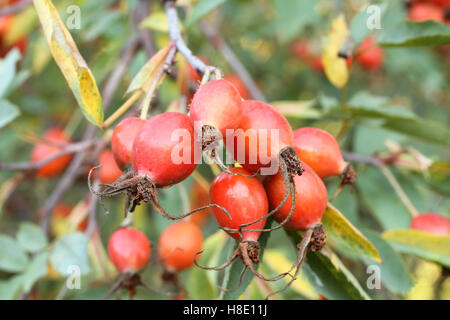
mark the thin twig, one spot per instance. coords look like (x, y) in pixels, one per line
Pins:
(175, 35)
(71, 148)
(234, 62)
(389, 176)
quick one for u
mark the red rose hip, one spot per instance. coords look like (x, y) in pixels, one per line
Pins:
(129, 250)
(178, 245)
(122, 140)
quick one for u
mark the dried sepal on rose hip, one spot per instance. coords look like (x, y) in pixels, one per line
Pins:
(305, 214)
(215, 107)
(162, 155)
(246, 201)
(130, 251)
(263, 144)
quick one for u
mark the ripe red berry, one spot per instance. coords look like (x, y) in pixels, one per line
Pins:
(431, 222)
(42, 151)
(245, 200)
(178, 245)
(264, 133)
(320, 151)
(316, 63)
(129, 250)
(122, 139)
(311, 195)
(218, 104)
(370, 56)
(238, 84)
(426, 11)
(109, 171)
(163, 150)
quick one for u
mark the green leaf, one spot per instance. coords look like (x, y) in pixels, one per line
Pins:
(421, 244)
(237, 266)
(293, 16)
(69, 60)
(342, 231)
(8, 112)
(297, 109)
(364, 104)
(12, 256)
(9, 289)
(201, 9)
(36, 269)
(416, 34)
(394, 274)
(381, 199)
(31, 238)
(328, 275)
(8, 70)
(426, 130)
(71, 250)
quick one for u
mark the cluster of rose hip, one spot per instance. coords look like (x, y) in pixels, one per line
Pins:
(241, 197)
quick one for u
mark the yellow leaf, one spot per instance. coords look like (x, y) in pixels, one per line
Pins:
(144, 78)
(336, 67)
(70, 62)
(345, 233)
(297, 109)
(279, 263)
(421, 244)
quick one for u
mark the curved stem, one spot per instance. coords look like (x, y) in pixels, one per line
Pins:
(219, 267)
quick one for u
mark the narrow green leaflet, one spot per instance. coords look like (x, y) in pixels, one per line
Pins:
(426, 130)
(236, 269)
(342, 231)
(416, 34)
(69, 60)
(394, 274)
(421, 244)
(71, 251)
(36, 269)
(297, 109)
(12, 256)
(201, 9)
(328, 275)
(31, 238)
(8, 112)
